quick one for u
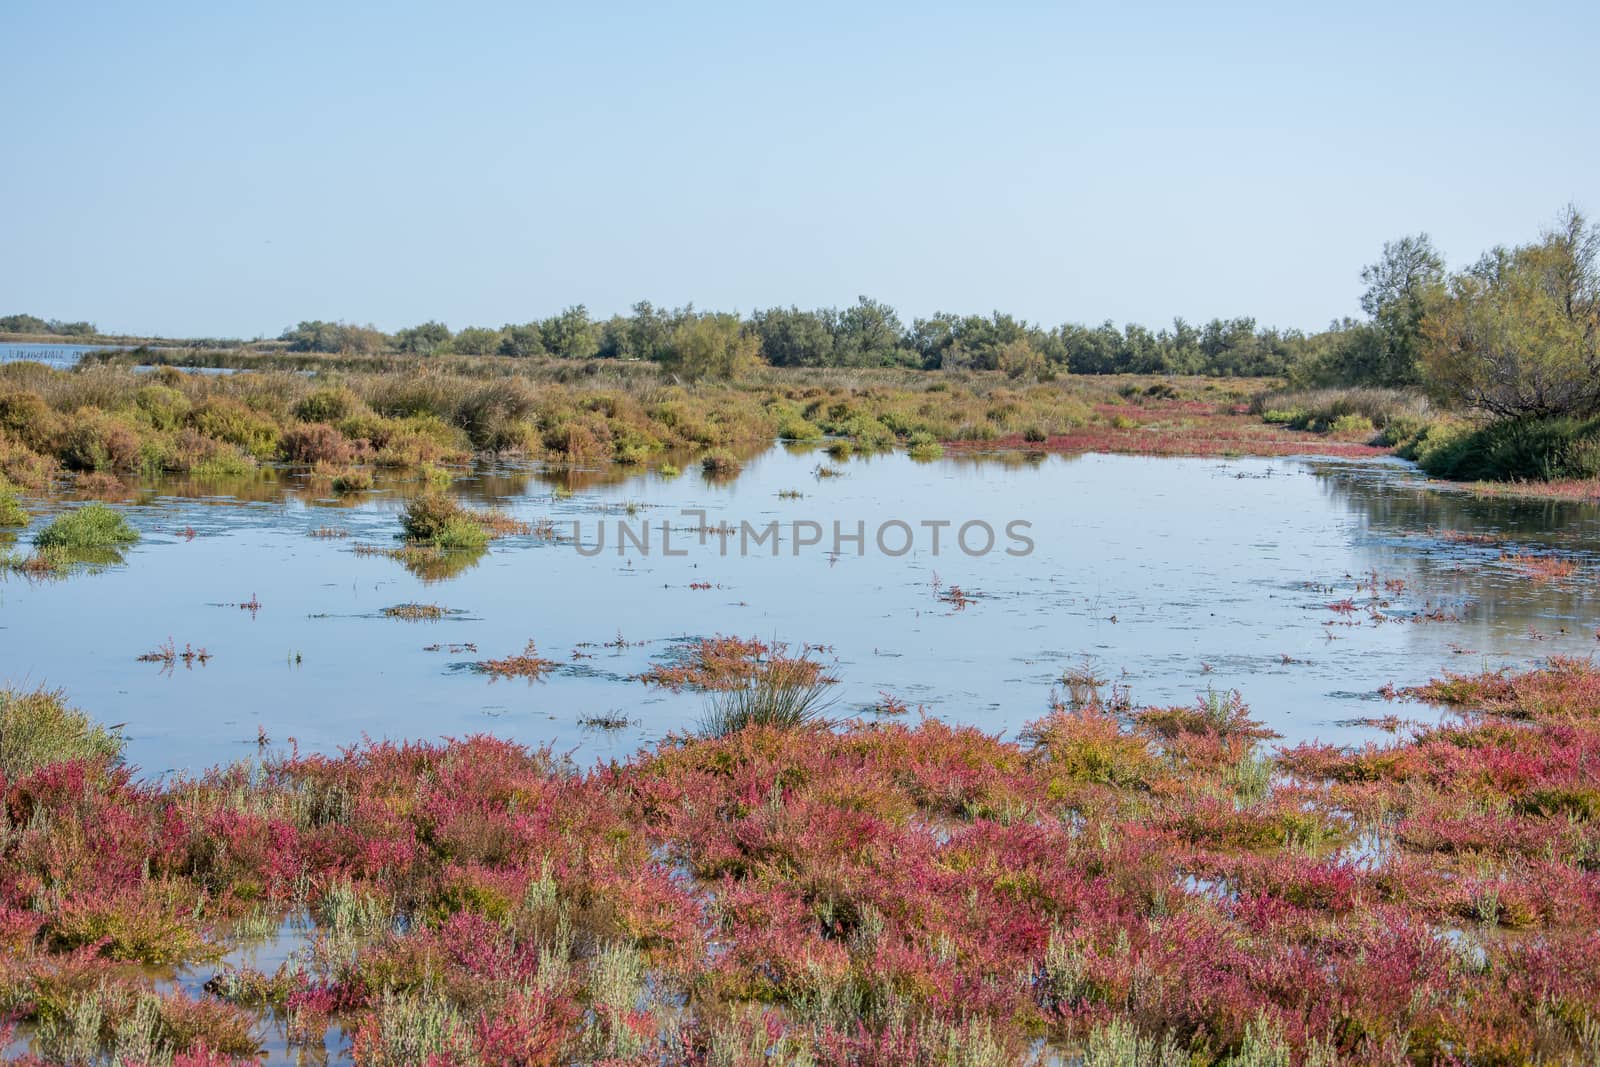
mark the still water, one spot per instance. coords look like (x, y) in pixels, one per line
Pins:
(61, 357)
(1168, 576)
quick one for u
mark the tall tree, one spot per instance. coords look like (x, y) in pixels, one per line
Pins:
(1518, 334)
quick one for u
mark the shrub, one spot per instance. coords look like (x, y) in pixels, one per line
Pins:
(328, 405)
(25, 416)
(97, 441)
(352, 480)
(229, 420)
(720, 464)
(316, 442)
(1352, 424)
(797, 428)
(24, 467)
(439, 520)
(923, 446)
(1515, 449)
(11, 513)
(89, 527)
(38, 729)
(163, 407)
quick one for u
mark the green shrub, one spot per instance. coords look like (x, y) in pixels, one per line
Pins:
(89, 527)
(797, 428)
(439, 520)
(923, 446)
(1512, 450)
(37, 729)
(231, 421)
(26, 417)
(328, 405)
(11, 513)
(163, 407)
(1352, 424)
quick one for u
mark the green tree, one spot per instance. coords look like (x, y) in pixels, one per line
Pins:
(794, 338)
(570, 335)
(868, 334)
(523, 341)
(424, 340)
(476, 341)
(1518, 334)
(714, 345)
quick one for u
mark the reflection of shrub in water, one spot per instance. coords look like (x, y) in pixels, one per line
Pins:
(426, 562)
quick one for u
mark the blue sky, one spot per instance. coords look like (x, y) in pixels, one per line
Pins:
(229, 169)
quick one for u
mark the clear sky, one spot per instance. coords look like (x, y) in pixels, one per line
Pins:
(231, 168)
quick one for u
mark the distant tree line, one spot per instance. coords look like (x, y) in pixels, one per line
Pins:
(868, 333)
(35, 325)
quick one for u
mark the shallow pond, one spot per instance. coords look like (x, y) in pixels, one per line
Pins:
(59, 356)
(1307, 585)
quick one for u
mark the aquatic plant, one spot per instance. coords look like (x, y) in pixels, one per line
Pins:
(352, 480)
(413, 611)
(168, 655)
(720, 464)
(1540, 568)
(782, 696)
(526, 664)
(93, 526)
(729, 662)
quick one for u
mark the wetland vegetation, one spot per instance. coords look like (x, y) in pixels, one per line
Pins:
(839, 810)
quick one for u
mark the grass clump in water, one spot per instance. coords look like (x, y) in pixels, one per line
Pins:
(38, 729)
(438, 520)
(720, 464)
(93, 526)
(780, 696)
(352, 480)
(413, 612)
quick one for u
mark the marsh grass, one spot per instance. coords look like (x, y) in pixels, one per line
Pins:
(93, 526)
(778, 696)
(38, 729)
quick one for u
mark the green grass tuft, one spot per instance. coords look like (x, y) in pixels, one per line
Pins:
(89, 527)
(780, 697)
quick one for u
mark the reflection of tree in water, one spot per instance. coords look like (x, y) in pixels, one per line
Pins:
(1407, 530)
(1395, 500)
